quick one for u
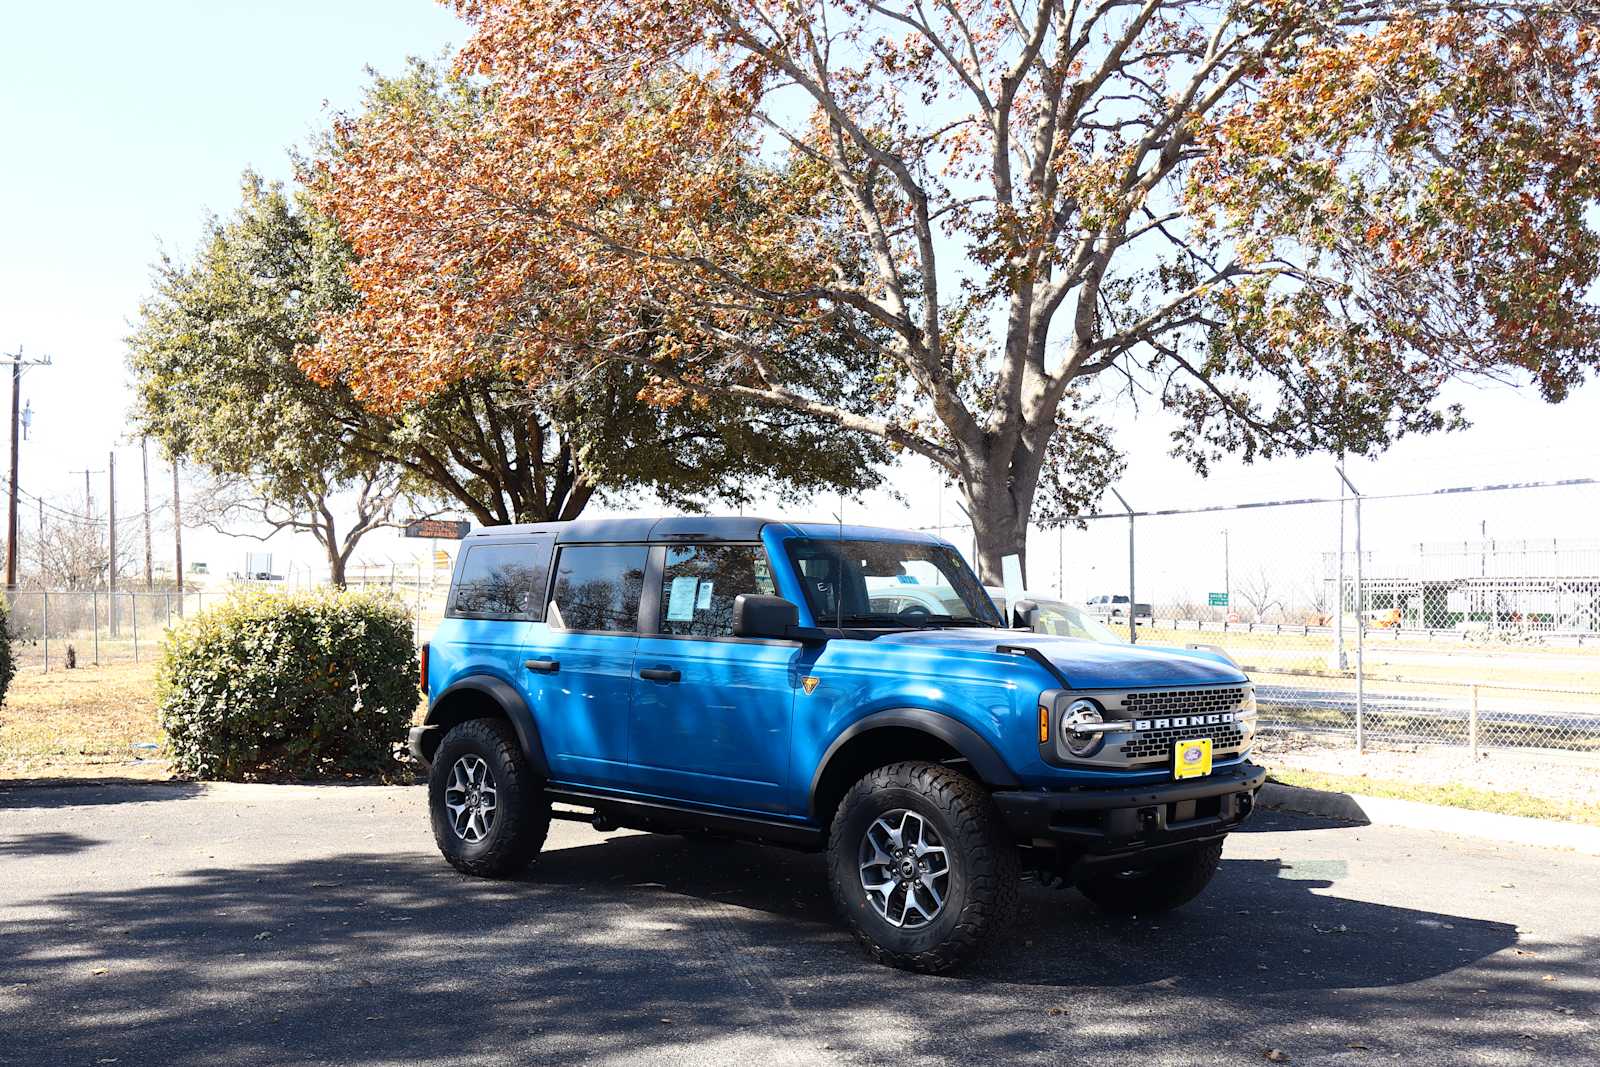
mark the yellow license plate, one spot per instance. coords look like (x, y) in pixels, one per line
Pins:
(1192, 759)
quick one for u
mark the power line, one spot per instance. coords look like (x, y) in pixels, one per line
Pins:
(59, 512)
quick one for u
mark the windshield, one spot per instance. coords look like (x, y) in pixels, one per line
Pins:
(889, 583)
(1058, 619)
(1064, 620)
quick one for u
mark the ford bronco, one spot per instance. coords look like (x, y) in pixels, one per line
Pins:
(769, 681)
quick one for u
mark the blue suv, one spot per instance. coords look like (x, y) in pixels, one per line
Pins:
(772, 681)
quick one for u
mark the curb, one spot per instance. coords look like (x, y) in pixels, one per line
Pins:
(1411, 814)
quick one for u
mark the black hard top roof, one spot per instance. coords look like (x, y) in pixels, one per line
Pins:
(650, 528)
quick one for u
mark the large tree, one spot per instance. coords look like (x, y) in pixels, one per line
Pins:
(1292, 222)
(214, 359)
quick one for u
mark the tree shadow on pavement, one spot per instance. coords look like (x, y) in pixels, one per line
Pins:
(45, 844)
(652, 947)
(80, 792)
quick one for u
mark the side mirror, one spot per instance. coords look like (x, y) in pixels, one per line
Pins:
(755, 615)
(1024, 611)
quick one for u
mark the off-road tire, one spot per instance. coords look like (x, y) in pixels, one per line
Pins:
(1161, 887)
(982, 892)
(522, 812)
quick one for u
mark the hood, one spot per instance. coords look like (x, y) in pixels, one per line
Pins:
(1088, 664)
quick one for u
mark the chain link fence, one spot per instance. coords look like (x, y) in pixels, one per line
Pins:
(1462, 621)
(1464, 618)
(56, 630)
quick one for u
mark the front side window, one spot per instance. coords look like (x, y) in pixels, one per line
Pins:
(597, 588)
(889, 583)
(501, 581)
(699, 582)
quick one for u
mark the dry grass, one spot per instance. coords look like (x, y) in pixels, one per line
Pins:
(1450, 795)
(81, 723)
(1443, 664)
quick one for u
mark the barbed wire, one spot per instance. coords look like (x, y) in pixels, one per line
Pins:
(1298, 501)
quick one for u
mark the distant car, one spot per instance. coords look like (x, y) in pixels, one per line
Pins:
(1116, 607)
(1044, 614)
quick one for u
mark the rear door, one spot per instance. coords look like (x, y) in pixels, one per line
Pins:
(494, 602)
(711, 712)
(579, 661)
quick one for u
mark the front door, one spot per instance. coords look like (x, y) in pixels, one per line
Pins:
(579, 663)
(711, 712)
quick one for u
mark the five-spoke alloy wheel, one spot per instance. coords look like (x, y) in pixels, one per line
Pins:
(921, 866)
(489, 811)
(905, 869)
(470, 798)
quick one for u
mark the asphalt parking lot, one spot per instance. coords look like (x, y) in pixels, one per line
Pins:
(251, 925)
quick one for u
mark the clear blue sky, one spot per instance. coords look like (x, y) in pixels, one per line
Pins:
(123, 123)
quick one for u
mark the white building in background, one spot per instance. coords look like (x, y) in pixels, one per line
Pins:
(1492, 585)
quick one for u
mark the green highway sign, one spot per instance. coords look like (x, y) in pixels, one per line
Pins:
(1217, 600)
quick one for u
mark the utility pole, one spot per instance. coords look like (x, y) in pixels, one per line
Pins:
(17, 363)
(16, 421)
(111, 520)
(177, 533)
(149, 559)
(88, 492)
(1227, 576)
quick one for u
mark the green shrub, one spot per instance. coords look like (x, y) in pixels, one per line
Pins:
(275, 686)
(8, 655)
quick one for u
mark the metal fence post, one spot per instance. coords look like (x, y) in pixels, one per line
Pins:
(1338, 597)
(1472, 724)
(1361, 626)
(1133, 605)
(1361, 644)
(417, 616)
(95, 623)
(134, 603)
(46, 596)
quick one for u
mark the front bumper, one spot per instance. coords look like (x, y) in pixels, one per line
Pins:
(1135, 818)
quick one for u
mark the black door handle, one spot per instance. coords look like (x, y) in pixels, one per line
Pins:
(659, 674)
(543, 666)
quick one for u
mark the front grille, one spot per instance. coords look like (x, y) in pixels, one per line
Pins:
(1157, 744)
(1144, 705)
(1160, 718)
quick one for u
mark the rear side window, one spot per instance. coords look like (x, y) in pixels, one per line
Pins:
(502, 581)
(699, 582)
(597, 587)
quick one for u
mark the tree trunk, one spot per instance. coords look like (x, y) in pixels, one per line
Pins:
(999, 523)
(336, 569)
(999, 483)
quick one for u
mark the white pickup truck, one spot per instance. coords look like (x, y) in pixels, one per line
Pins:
(1116, 607)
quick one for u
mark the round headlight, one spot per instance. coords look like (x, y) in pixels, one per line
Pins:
(1082, 713)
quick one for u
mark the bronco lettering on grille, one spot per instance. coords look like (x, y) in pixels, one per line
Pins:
(1179, 721)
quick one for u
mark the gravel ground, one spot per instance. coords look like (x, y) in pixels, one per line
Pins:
(1554, 775)
(168, 924)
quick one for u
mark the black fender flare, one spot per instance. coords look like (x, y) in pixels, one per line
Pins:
(990, 767)
(511, 705)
